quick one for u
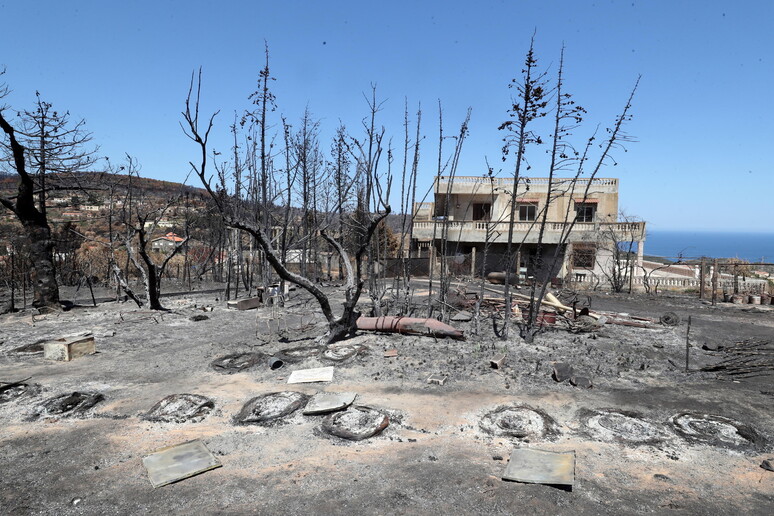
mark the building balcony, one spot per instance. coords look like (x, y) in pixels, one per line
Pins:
(479, 231)
(484, 185)
(423, 210)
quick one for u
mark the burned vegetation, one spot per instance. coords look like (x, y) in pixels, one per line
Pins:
(426, 346)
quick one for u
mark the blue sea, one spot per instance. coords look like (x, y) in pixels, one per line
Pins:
(753, 247)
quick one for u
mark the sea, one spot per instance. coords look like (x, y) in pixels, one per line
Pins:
(753, 247)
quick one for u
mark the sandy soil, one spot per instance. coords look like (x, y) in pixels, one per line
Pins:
(434, 457)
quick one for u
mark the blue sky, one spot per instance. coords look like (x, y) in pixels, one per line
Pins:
(702, 114)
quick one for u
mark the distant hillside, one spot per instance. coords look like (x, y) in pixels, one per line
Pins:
(84, 202)
(99, 181)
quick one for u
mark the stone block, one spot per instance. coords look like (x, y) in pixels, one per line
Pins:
(68, 348)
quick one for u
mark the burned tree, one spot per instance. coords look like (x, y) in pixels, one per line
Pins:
(535, 100)
(239, 214)
(528, 106)
(45, 141)
(616, 252)
(140, 218)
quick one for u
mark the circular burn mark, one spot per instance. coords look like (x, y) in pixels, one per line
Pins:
(179, 408)
(17, 391)
(519, 421)
(270, 407)
(237, 362)
(669, 319)
(356, 423)
(294, 355)
(716, 431)
(341, 353)
(65, 405)
(621, 425)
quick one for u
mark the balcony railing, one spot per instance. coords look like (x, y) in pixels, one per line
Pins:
(476, 230)
(497, 181)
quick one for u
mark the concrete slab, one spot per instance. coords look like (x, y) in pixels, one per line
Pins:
(179, 462)
(317, 374)
(541, 467)
(324, 402)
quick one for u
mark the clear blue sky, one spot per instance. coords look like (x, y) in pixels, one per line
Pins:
(702, 115)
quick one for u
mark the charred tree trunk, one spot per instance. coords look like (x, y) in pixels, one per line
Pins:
(45, 287)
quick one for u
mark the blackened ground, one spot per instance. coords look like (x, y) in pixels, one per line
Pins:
(433, 457)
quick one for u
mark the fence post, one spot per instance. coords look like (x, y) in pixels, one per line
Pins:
(701, 279)
(736, 281)
(714, 281)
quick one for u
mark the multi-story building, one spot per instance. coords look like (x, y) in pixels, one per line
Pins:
(582, 226)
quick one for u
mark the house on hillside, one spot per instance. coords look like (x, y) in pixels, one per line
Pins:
(475, 211)
(166, 243)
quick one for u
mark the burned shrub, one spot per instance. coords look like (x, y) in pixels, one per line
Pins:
(237, 362)
(295, 355)
(356, 423)
(15, 391)
(341, 353)
(620, 425)
(179, 408)
(717, 430)
(519, 421)
(270, 407)
(68, 405)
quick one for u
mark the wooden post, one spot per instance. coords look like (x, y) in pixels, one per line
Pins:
(715, 275)
(518, 268)
(687, 343)
(701, 279)
(473, 262)
(13, 282)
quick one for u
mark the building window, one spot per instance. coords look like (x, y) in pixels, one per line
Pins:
(583, 256)
(584, 212)
(482, 211)
(527, 212)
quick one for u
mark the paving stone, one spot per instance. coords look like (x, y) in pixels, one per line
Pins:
(541, 467)
(178, 462)
(324, 402)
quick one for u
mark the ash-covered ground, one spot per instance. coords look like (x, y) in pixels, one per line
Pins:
(648, 436)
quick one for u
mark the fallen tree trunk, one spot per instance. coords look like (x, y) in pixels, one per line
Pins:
(409, 326)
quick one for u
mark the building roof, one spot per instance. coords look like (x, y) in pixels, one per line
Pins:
(169, 237)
